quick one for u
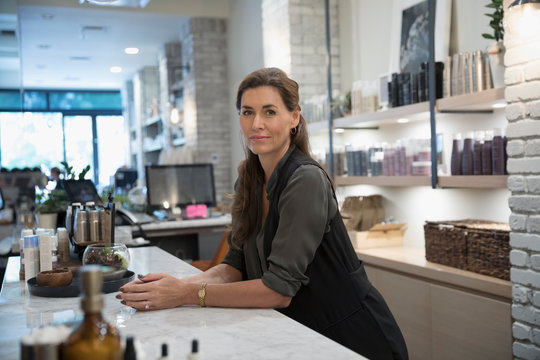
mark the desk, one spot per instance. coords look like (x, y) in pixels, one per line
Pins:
(222, 333)
(186, 239)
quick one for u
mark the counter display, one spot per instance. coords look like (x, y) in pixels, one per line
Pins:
(221, 333)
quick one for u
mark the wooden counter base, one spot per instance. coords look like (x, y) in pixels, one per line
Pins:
(443, 312)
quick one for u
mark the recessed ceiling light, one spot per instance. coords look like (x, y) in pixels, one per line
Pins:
(131, 50)
(47, 16)
(79, 58)
(44, 46)
(498, 105)
(402, 120)
(115, 69)
(339, 130)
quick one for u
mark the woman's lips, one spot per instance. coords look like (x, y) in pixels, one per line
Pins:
(258, 138)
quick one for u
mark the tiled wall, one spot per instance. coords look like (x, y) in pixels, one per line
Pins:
(522, 77)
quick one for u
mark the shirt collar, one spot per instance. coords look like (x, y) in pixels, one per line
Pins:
(272, 180)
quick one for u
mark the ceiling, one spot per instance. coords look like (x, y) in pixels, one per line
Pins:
(73, 46)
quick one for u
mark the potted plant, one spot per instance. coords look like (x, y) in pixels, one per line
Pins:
(496, 49)
(47, 207)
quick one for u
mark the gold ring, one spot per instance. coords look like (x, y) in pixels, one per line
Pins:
(146, 307)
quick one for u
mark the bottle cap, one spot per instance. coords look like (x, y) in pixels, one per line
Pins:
(164, 350)
(92, 281)
(194, 346)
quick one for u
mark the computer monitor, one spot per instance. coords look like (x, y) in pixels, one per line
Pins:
(81, 191)
(170, 186)
(125, 178)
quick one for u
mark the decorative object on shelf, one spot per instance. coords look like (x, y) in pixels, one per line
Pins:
(409, 42)
(341, 106)
(495, 50)
(70, 174)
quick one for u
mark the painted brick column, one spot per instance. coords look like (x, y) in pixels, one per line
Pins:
(294, 39)
(522, 78)
(204, 48)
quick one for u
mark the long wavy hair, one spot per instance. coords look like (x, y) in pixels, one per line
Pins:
(247, 202)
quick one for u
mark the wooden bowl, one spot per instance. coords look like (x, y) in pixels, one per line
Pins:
(58, 277)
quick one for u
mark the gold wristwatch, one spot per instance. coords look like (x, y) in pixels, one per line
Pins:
(202, 294)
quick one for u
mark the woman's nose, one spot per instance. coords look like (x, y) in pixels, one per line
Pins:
(257, 122)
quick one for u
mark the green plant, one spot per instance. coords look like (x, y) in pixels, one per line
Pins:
(71, 175)
(51, 202)
(496, 22)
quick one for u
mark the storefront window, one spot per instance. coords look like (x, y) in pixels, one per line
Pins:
(112, 152)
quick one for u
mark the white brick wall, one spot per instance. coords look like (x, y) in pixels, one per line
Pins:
(301, 50)
(522, 77)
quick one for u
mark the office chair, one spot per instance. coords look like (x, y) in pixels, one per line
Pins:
(221, 251)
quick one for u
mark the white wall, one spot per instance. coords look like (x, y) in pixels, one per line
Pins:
(244, 35)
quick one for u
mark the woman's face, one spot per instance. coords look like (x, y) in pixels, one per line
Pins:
(266, 122)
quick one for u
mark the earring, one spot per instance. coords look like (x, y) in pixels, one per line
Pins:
(294, 131)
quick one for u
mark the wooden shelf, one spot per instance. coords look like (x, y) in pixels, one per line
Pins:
(397, 181)
(414, 112)
(478, 101)
(474, 181)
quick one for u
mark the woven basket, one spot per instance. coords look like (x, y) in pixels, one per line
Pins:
(474, 245)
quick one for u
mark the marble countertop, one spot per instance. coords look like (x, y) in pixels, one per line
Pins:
(222, 333)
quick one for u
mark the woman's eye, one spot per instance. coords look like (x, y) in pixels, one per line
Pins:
(270, 112)
(246, 113)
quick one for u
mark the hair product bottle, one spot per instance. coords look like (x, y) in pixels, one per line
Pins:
(467, 155)
(497, 152)
(455, 160)
(477, 152)
(94, 338)
(486, 153)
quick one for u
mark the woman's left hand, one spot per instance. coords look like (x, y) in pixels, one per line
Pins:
(154, 292)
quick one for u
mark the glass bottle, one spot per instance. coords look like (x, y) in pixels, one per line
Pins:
(477, 152)
(486, 153)
(94, 338)
(497, 152)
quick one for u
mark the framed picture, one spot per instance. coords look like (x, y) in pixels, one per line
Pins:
(410, 34)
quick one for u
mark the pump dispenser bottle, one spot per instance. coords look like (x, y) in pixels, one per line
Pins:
(94, 338)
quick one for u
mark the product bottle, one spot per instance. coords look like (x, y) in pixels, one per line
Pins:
(94, 338)
(467, 155)
(130, 352)
(455, 161)
(164, 352)
(486, 153)
(477, 152)
(194, 355)
(497, 152)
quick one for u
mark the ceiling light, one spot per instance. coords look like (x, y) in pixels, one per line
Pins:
(498, 105)
(115, 69)
(402, 120)
(44, 46)
(339, 130)
(79, 58)
(47, 16)
(131, 50)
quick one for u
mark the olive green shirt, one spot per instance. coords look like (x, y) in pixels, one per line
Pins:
(306, 207)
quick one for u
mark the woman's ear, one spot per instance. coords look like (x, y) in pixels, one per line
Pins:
(295, 118)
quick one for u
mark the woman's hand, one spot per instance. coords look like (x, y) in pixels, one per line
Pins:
(157, 291)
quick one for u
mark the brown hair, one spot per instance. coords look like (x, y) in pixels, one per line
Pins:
(246, 205)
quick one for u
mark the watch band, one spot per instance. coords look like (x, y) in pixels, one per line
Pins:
(202, 294)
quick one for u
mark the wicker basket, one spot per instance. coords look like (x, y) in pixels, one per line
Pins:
(475, 245)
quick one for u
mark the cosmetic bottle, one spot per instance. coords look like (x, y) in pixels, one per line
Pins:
(194, 355)
(164, 352)
(467, 155)
(94, 338)
(486, 153)
(497, 152)
(477, 152)
(455, 160)
(130, 353)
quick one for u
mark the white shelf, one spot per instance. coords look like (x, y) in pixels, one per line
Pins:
(478, 101)
(390, 181)
(414, 112)
(474, 181)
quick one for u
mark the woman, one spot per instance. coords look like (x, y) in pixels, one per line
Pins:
(289, 249)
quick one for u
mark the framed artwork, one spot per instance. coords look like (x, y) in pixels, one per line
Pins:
(410, 33)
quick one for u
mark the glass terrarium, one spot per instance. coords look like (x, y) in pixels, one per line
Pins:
(115, 256)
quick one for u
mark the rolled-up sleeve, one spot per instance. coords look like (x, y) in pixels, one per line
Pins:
(303, 217)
